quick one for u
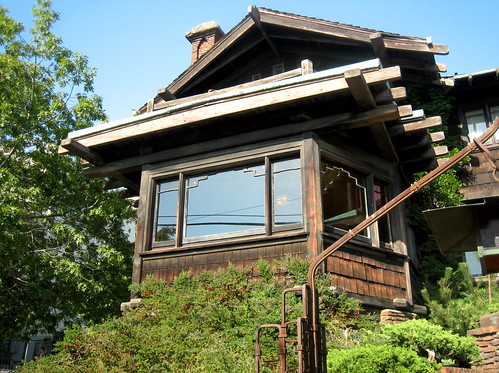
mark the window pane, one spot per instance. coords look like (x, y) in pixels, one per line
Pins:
(166, 216)
(383, 223)
(225, 202)
(343, 197)
(476, 123)
(287, 200)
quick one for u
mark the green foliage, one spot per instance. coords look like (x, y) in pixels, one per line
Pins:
(63, 251)
(458, 301)
(205, 323)
(378, 359)
(423, 337)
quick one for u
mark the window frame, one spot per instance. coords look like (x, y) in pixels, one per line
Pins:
(198, 166)
(485, 108)
(378, 172)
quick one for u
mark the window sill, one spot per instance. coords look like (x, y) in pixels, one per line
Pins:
(243, 242)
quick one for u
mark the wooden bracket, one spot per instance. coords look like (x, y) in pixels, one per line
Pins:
(81, 151)
(255, 16)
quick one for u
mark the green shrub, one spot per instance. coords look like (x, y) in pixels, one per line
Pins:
(421, 336)
(378, 359)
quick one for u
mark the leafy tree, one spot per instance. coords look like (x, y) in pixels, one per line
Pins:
(64, 254)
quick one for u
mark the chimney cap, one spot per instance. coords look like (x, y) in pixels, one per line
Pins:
(204, 29)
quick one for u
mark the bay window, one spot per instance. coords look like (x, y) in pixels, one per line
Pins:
(348, 197)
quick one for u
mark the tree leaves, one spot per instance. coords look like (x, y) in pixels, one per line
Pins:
(64, 253)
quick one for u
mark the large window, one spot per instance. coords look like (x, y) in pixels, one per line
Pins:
(260, 198)
(478, 119)
(348, 197)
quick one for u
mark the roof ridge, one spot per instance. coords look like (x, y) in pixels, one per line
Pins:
(322, 20)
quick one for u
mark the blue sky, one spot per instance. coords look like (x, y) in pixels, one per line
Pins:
(139, 47)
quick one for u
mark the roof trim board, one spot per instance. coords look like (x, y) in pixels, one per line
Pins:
(232, 92)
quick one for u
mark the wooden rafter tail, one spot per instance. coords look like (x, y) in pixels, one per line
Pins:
(427, 139)
(406, 128)
(430, 153)
(390, 95)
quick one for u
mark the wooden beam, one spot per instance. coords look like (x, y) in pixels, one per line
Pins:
(427, 139)
(74, 147)
(405, 111)
(248, 103)
(427, 154)
(359, 89)
(255, 16)
(365, 101)
(379, 48)
(307, 67)
(333, 122)
(406, 128)
(390, 95)
(165, 94)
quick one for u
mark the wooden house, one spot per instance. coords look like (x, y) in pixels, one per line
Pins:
(282, 135)
(474, 226)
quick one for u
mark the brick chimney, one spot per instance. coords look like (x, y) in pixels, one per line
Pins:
(203, 37)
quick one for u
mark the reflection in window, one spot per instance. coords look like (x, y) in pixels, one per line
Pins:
(166, 218)
(287, 201)
(383, 223)
(225, 202)
(343, 197)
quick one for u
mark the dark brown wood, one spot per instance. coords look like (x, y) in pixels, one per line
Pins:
(255, 16)
(425, 124)
(76, 148)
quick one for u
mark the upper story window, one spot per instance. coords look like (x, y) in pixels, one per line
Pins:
(478, 119)
(277, 68)
(348, 197)
(258, 198)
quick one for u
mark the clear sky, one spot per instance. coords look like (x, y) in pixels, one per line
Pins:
(138, 46)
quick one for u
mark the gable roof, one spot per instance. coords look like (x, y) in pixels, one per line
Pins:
(262, 25)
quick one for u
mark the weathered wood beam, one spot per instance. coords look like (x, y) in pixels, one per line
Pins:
(359, 89)
(402, 129)
(427, 139)
(255, 16)
(390, 95)
(333, 122)
(307, 67)
(262, 101)
(165, 94)
(74, 147)
(405, 111)
(365, 101)
(273, 78)
(380, 48)
(427, 154)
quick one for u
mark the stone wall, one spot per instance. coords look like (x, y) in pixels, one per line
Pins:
(487, 340)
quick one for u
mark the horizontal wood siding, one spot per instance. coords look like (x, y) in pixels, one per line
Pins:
(167, 266)
(368, 274)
